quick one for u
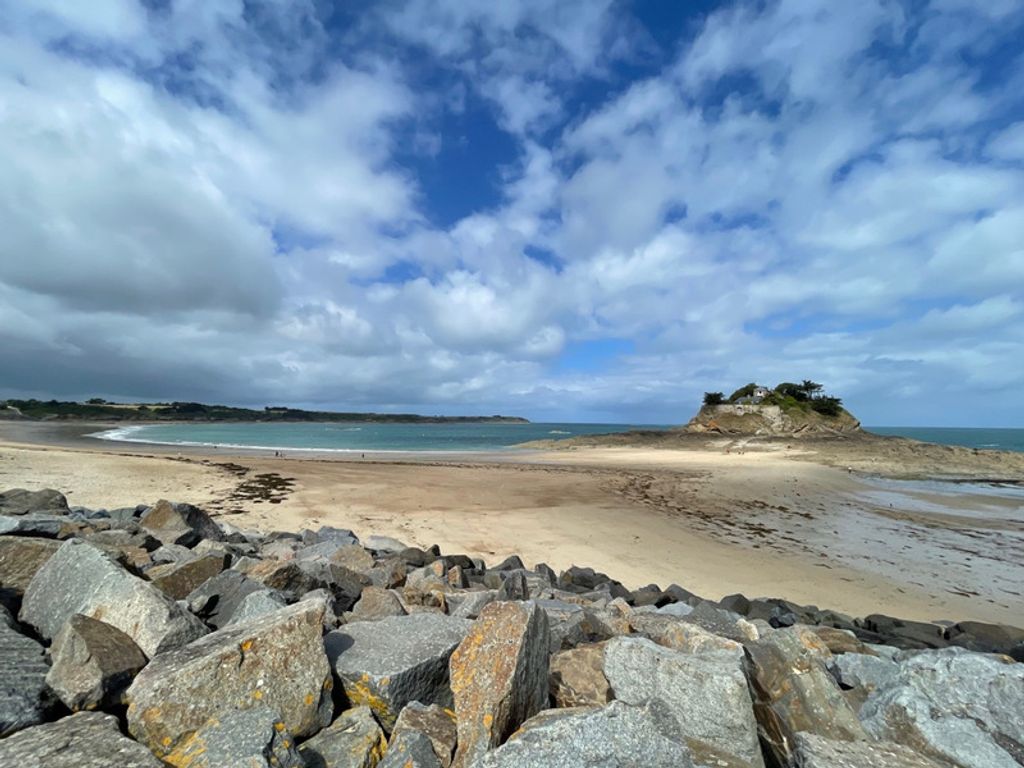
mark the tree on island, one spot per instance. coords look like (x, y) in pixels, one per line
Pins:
(811, 388)
(713, 398)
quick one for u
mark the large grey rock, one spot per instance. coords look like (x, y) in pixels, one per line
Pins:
(353, 740)
(219, 597)
(79, 578)
(721, 622)
(18, 501)
(93, 663)
(793, 692)
(410, 749)
(376, 603)
(855, 670)
(570, 624)
(384, 544)
(276, 660)
(253, 738)
(386, 664)
(467, 605)
(84, 740)
(434, 722)
(294, 578)
(179, 580)
(257, 604)
(966, 708)
(706, 693)
(817, 752)
(615, 736)
(680, 634)
(24, 696)
(499, 676)
(46, 526)
(20, 558)
(180, 524)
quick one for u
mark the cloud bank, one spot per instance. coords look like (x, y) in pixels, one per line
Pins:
(565, 210)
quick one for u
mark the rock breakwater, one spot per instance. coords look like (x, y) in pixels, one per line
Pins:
(156, 635)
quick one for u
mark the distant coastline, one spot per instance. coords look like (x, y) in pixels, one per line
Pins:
(189, 412)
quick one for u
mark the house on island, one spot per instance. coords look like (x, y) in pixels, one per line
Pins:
(755, 397)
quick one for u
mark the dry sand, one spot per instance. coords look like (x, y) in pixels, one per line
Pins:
(714, 518)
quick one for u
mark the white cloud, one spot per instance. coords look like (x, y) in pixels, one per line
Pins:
(207, 201)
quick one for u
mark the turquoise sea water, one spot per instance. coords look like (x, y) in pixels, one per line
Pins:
(352, 436)
(993, 439)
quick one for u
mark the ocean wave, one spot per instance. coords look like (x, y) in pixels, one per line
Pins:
(558, 432)
(125, 435)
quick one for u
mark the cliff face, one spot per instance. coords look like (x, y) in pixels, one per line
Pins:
(769, 420)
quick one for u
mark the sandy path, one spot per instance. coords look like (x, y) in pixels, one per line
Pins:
(715, 523)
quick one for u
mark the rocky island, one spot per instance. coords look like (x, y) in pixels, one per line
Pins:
(157, 635)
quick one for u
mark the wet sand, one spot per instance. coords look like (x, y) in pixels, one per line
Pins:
(715, 517)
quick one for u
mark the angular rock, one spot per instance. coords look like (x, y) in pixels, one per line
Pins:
(721, 622)
(467, 605)
(276, 660)
(499, 676)
(24, 696)
(857, 670)
(795, 693)
(615, 736)
(93, 664)
(953, 705)
(386, 664)
(706, 693)
(384, 544)
(179, 580)
(79, 578)
(254, 738)
(434, 722)
(376, 603)
(326, 533)
(83, 740)
(353, 740)
(18, 501)
(353, 557)
(680, 634)
(577, 677)
(988, 638)
(181, 524)
(20, 558)
(45, 526)
(842, 641)
(905, 634)
(410, 749)
(817, 752)
(570, 625)
(256, 604)
(218, 598)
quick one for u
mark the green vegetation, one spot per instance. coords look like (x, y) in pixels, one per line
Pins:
(97, 409)
(744, 391)
(713, 398)
(806, 396)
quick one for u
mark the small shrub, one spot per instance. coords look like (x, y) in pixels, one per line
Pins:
(713, 398)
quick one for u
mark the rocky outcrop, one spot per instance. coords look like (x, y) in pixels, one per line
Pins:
(769, 420)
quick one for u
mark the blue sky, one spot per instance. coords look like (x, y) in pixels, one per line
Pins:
(565, 210)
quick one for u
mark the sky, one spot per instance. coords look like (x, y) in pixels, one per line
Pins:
(560, 209)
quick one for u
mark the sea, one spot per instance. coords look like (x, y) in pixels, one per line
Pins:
(355, 437)
(461, 437)
(1001, 439)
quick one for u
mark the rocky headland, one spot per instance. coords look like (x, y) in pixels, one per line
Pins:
(156, 635)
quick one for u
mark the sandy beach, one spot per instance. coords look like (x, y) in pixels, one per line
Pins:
(716, 517)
